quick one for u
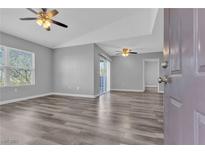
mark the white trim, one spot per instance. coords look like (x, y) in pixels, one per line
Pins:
(151, 59)
(151, 86)
(6, 66)
(128, 90)
(75, 95)
(24, 98)
(66, 94)
(158, 71)
(47, 94)
(22, 50)
(108, 76)
(143, 76)
(160, 91)
(105, 56)
(98, 95)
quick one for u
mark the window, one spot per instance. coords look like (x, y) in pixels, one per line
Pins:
(16, 67)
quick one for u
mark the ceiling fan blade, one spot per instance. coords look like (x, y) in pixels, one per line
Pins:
(59, 23)
(133, 53)
(52, 13)
(28, 18)
(44, 9)
(32, 10)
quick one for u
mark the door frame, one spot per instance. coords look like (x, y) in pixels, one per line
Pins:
(108, 75)
(158, 71)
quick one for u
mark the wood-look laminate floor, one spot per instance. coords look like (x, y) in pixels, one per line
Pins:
(114, 118)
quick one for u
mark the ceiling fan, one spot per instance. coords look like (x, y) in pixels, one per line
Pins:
(44, 18)
(126, 52)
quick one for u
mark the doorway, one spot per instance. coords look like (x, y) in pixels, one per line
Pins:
(151, 75)
(104, 75)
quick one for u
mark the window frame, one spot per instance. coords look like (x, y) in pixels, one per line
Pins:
(6, 66)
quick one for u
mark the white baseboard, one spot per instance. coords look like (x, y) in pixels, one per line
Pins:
(66, 94)
(161, 91)
(24, 98)
(96, 95)
(46, 94)
(75, 95)
(151, 86)
(128, 90)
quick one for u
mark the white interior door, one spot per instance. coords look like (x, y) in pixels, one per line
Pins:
(151, 73)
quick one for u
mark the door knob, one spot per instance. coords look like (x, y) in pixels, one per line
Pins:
(164, 64)
(163, 79)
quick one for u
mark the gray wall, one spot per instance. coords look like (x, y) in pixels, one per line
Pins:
(43, 63)
(74, 70)
(151, 73)
(127, 72)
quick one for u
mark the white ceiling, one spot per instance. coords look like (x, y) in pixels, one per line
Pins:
(152, 42)
(111, 29)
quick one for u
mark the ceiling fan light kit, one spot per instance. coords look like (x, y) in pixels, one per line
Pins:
(43, 22)
(126, 52)
(44, 18)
